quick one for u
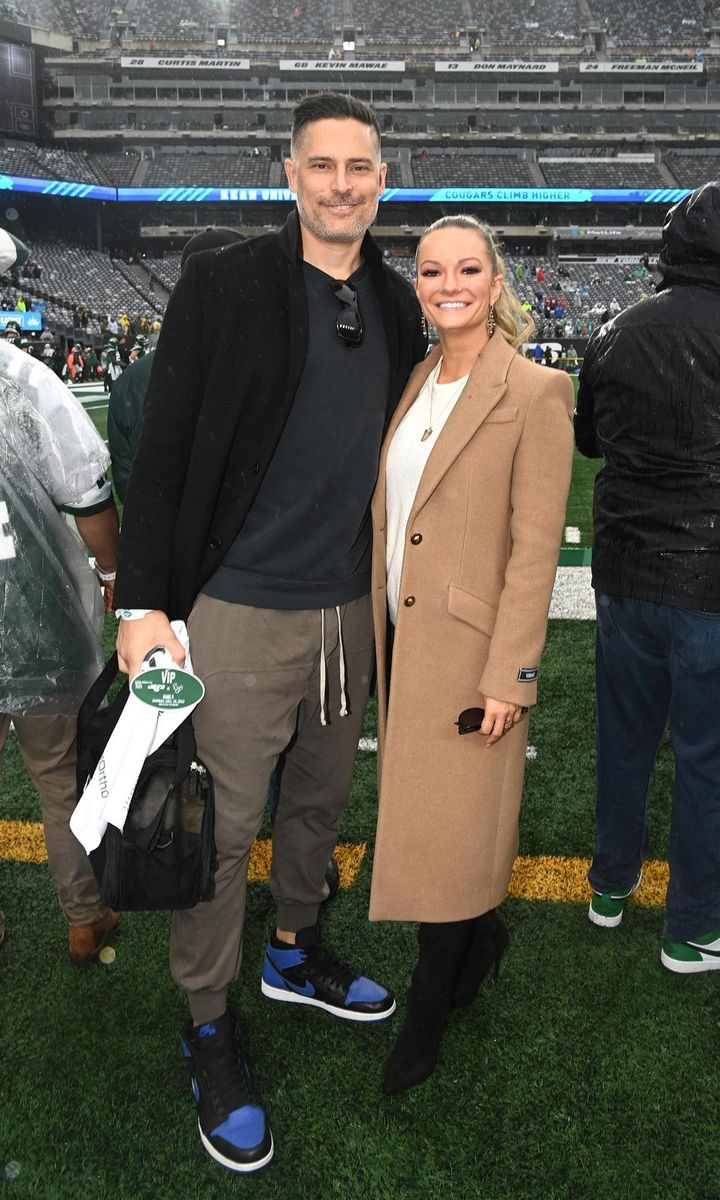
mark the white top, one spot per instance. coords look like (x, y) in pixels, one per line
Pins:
(406, 461)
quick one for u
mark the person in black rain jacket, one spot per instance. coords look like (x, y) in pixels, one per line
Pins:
(649, 404)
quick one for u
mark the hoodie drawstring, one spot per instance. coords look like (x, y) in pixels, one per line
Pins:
(323, 668)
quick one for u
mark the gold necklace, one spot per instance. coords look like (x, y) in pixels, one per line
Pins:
(433, 381)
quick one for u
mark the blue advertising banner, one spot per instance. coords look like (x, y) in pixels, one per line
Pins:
(56, 187)
(250, 195)
(26, 320)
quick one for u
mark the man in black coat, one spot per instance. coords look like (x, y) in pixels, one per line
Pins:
(649, 403)
(279, 365)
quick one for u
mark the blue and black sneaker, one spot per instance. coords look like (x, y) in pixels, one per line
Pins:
(231, 1121)
(308, 973)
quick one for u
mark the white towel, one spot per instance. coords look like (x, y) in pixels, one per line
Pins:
(140, 730)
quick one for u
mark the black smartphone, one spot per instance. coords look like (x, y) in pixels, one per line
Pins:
(470, 720)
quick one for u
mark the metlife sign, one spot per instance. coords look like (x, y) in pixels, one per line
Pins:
(647, 68)
(499, 67)
(340, 67)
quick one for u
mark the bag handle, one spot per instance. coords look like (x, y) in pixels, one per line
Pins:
(97, 693)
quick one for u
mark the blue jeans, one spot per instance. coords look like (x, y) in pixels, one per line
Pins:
(655, 664)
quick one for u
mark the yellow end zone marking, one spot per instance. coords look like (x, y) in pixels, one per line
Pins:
(548, 877)
(534, 877)
(349, 860)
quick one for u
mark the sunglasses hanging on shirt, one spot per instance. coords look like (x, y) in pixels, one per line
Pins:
(349, 324)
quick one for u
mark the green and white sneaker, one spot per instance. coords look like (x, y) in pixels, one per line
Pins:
(697, 954)
(607, 908)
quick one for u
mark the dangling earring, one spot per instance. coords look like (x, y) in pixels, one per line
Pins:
(491, 320)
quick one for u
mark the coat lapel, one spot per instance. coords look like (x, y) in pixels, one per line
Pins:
(484, 389)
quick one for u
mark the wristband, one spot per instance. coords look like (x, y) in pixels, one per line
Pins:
(105, 576)
(132, 614)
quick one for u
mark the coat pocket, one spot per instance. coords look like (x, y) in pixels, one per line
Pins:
(471, 609)
(500, 415)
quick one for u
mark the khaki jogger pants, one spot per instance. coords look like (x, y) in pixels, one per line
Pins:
(262, 670)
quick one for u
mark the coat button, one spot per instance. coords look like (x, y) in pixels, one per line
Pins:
(409, 601)
(416, 539)
(256, 468)
(215, 543)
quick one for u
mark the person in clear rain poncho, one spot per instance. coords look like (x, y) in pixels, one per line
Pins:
(54, 502)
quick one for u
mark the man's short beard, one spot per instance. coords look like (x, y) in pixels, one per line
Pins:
(325, 233)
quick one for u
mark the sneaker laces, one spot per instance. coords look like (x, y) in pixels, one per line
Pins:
(322, 964)
(224, 1073)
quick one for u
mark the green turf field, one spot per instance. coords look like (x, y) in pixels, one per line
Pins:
(587, 1072)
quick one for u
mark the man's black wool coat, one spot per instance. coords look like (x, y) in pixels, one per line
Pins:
(225, 372)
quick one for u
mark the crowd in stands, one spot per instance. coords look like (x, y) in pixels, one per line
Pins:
(527, 23)
(567, 299)
(524, 24)
(650, 22)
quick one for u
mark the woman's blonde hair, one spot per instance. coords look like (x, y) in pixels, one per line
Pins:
(515, 324)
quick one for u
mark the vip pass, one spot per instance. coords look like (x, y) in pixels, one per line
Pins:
(167, 688)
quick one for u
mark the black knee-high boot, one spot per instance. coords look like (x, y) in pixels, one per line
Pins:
(488, 942)
(414, 1056)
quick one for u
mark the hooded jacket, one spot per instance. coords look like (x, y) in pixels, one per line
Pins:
(649, 404)
(225, 372)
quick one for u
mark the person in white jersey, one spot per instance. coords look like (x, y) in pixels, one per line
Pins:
(467, 515)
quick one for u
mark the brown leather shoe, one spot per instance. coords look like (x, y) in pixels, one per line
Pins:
(86, 941)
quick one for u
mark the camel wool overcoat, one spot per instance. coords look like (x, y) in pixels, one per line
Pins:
(481, 550)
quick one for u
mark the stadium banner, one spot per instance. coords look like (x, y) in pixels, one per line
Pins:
(31, 321)
(56, 187)
(275, 195)
(497, 67)
(464, 195)
(187, 64)
(332, 66)
(646, 68)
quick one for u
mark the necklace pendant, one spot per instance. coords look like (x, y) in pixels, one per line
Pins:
(426, 435)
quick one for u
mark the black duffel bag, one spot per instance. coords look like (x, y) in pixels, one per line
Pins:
(165, 856)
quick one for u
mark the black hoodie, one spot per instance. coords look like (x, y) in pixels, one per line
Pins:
(649, 404)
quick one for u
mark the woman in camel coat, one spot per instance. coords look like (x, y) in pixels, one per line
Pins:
(468, 517)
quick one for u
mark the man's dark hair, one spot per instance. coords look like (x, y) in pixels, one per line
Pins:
(333, 106)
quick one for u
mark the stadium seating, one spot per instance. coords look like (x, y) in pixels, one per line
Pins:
(116, 169)
(609, 173)
(77, 276)
(526, 23)
(431, 169)
(693, 169)
(166, 269)
(211, 170)
(43, 163)
(650, 23)
(408, 21)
